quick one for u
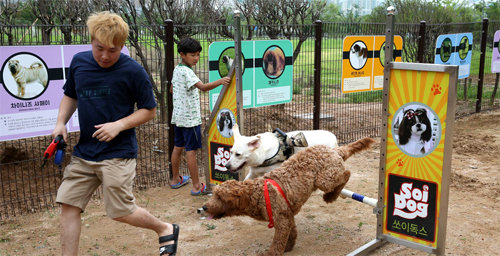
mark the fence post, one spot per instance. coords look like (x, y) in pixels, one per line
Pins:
(493, 95)
(482, 58)
(466, 98)
(421, 42)
(317, 74)
(169, 69)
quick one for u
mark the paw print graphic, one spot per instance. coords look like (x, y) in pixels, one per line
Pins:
(436, 89)
(399, 162)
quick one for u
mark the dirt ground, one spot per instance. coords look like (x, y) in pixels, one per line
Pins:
(333, 229)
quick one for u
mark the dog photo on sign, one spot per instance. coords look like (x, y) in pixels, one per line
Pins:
(225, 121)
(273, 62)
(25, 76)
(358, 55)
(416, 130)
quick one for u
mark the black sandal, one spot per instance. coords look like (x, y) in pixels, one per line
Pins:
(171, 249)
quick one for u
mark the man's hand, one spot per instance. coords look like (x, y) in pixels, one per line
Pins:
(60, 129)
(108, 131)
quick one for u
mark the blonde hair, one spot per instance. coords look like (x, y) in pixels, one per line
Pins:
(108, 28)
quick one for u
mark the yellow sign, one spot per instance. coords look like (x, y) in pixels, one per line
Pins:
(379, 60)
(418, 118)
(220, 135)
(362, 62)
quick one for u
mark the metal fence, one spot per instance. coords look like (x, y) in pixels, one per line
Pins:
(317, 98)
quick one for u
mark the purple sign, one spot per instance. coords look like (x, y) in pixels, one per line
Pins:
(31, 79)
(495, 57)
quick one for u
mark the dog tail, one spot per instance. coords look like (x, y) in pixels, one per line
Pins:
(36, 64)
(355, 147)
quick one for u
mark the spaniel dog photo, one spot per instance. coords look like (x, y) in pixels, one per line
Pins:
(359, 55)
(25, 75)
(415, 132)
(274, 62)
(279, 195)
(225, 123)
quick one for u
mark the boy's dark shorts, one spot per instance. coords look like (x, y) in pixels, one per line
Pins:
(188, 138)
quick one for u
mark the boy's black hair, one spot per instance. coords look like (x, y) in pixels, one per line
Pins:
(188, 45)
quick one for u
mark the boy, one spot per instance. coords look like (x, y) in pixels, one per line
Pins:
(105, 85)
(186, 115)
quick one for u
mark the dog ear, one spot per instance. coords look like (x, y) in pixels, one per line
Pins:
(404, 132)
(254, 143)
(236, 131)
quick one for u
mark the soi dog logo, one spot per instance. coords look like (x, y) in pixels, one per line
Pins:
(221, 159)
(411, 202)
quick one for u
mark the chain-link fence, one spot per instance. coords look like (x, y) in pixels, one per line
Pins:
(26, 187)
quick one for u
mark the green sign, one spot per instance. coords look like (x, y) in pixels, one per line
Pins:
(267, 70)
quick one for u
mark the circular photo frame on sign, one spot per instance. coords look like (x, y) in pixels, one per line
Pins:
(416, 129)
(445, 50)
(382, 54)
(226, 59)
(358, 55)
(225, 122)
(25, 76)
(463, 48)
(273, 62)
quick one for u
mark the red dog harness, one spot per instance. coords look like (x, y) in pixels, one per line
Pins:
(268, 200)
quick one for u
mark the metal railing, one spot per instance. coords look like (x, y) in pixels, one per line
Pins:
(317, 103)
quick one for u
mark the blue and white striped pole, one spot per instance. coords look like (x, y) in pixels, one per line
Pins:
(358, 197)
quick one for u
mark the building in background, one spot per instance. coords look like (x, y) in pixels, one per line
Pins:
(364, 7)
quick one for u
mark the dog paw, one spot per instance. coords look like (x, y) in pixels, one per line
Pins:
(436, 89)
(400, 162)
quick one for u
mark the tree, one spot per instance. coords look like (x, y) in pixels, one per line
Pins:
(413, 11)
(69, 14)
(8, 12)
(352, 15)
(284, 17)
(247, 9)
(331, 13)
(43, 10)
(493, 10)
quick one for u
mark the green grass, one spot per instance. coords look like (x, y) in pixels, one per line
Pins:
(472, 92)
(359, 97)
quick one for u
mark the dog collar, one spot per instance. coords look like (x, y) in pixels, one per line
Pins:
(284, 152)
(268, 200)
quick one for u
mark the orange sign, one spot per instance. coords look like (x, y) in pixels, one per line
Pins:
(220, 135)
(418, 153)
(362, 62)
(378, 61)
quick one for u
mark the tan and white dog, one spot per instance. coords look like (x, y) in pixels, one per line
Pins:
(253, 152)
(24, 75)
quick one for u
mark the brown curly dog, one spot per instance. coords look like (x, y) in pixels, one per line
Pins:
(317, 167)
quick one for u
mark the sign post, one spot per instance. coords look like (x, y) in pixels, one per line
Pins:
(415, 164)
(228, 107)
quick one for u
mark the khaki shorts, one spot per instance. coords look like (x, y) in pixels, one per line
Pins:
(81, 178)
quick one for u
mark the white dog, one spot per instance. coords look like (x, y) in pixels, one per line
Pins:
(265, 151)
(24, 75)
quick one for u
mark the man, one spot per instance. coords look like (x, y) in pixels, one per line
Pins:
(106, 85)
